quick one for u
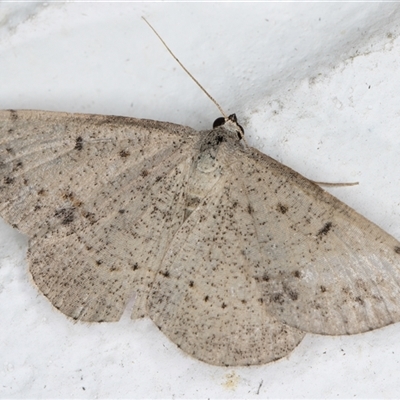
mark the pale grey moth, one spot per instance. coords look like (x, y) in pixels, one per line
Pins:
(233, 255)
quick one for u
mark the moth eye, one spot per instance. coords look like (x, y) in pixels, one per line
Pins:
(218, 122)
(233, 118)
(222, 121)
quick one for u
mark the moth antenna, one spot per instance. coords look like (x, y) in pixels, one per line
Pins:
(195, 80)
(336, 184)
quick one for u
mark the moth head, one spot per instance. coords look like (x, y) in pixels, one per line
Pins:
(231, 124)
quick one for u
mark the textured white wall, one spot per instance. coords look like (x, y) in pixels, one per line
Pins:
(315, 85)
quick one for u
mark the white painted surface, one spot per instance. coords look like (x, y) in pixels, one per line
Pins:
(315, 85)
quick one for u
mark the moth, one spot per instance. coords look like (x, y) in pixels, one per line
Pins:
(234, 256)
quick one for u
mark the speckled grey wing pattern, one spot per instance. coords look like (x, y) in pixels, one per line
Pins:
(204, 297)
(325, 268)
(233, 255)
(100, 198)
